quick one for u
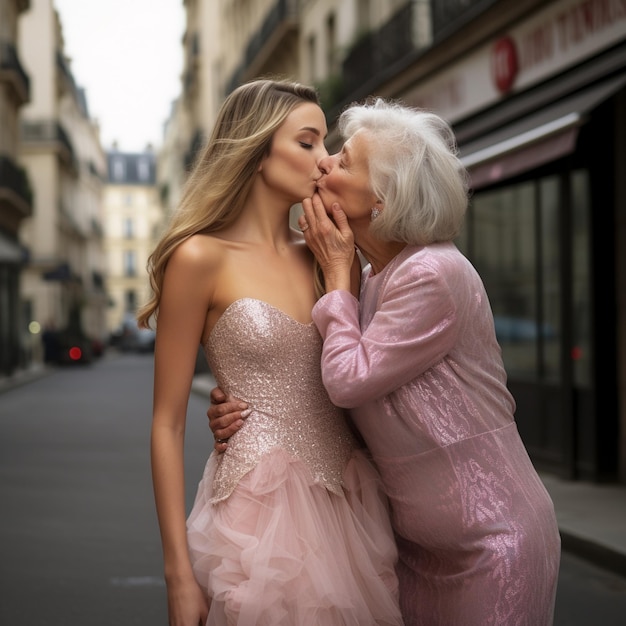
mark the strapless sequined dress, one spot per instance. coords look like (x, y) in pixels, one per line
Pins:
(290, 525)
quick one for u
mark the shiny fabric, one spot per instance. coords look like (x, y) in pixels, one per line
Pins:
(290, 525)
(418, 363)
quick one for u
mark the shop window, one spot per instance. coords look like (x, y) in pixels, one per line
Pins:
(504, 252)
(581, 263)
(514, 238)
(550, 279)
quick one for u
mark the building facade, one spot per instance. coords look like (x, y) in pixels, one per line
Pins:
(133, 221)
(62, 290)
(16, 198)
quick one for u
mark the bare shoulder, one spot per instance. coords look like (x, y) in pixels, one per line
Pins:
(198, 253)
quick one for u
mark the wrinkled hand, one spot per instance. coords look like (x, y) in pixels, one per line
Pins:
(332, 242)
(226, 415)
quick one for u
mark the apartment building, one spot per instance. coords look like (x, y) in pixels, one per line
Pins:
(133, 221)
(15, 191)
(62, 288)
(535, 91)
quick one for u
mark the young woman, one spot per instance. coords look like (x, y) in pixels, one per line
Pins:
(289, 526)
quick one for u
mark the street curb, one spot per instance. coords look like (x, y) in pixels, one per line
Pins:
(23, 377)
(593, 552)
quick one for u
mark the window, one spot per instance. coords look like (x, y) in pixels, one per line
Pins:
(363, 16)
(311, 60)
(129, 229)
(331, 56)
(130, 263)
(143, 170)
(130, 300)
(581, 277)
(515, 238)
(550, 278)
(504, 253)
(119, 169)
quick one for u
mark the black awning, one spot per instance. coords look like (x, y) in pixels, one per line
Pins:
(536, 139)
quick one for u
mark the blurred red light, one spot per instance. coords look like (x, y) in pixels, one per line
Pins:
(75, 353)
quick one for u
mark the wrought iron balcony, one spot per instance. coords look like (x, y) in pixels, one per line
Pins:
(11, 71)
(280, 20)
(65, 72)
(379, 49)
(50, 133)
(450, 14)
(13, 179)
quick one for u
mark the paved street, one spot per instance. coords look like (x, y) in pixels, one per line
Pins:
(79, 542)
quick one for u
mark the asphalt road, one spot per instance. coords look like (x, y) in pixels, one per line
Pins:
(79, 542)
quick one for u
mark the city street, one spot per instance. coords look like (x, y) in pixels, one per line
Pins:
(79, 542)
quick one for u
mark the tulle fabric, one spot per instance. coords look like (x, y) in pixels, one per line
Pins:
(283, 550)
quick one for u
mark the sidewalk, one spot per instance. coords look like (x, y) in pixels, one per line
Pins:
(592, 520)
(23, 377)
(591, 517)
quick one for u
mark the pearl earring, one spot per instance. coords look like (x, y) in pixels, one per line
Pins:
(375, 212)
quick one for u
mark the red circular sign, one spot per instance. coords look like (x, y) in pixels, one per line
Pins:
(504, 65)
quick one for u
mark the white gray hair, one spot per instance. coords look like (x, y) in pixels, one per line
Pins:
(414, 170)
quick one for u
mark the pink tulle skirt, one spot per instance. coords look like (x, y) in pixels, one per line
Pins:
(282, 550)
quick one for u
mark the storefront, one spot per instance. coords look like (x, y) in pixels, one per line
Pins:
(540, 116)
(11, 260)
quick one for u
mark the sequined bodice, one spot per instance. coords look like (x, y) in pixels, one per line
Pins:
(265, 357)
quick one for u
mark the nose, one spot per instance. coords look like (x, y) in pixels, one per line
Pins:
(325, 164)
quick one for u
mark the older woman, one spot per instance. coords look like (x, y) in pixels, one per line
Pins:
(417, 362)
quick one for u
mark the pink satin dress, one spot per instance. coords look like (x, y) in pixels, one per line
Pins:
(418, 364)
(290, 526)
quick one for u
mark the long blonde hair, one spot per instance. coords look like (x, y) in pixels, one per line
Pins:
(220, 181)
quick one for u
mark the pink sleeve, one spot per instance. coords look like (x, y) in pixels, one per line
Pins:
(412, 330)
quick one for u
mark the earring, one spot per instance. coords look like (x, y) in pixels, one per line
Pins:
(374, 212)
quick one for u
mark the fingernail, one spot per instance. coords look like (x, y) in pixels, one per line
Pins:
(246, 413)
(243, 405)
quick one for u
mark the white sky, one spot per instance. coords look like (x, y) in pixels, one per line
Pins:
(128, 56)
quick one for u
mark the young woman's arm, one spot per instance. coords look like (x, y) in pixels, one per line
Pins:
(182, 315)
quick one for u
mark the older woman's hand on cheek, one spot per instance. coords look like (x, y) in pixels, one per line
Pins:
(332, 242)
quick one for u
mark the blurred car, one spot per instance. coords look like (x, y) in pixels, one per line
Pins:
(66, 348)
(142, 340)
(130, 338)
